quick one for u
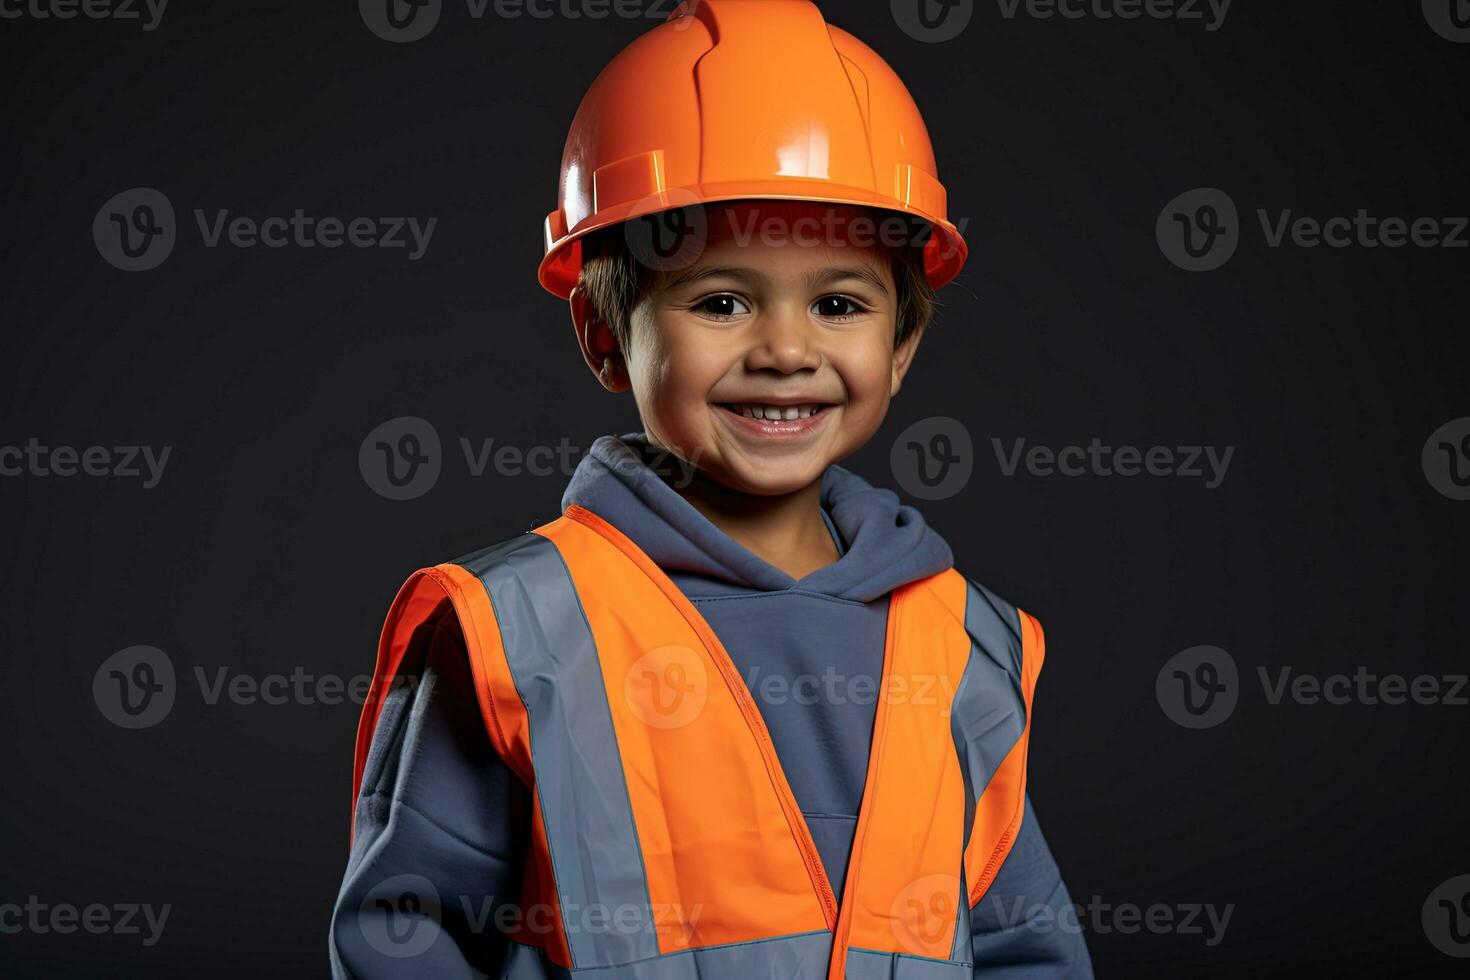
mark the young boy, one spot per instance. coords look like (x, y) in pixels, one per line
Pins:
(734, 714)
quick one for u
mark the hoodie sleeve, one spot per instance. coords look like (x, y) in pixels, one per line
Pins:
(441, 830)
(1025, 927)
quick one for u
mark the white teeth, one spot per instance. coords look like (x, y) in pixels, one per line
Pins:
(775, 413)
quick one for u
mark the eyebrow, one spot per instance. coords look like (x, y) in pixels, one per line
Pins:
(834, 274)
(698, 274)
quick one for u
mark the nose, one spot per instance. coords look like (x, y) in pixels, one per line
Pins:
(784, 341)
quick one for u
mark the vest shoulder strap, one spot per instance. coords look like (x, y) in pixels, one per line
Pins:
(992, 725)
(426, 597)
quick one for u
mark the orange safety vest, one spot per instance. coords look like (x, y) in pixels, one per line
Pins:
(666, 842)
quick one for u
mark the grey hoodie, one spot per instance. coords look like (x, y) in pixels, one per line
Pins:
(438, 803)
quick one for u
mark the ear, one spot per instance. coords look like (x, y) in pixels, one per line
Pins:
(903, 356)
(599, 344)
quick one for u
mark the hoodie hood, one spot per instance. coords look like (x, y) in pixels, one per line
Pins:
(883, 543)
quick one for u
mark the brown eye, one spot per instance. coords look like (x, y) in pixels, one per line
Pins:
(836, 307)
(722, 306)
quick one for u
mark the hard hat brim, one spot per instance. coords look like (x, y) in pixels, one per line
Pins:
(944, 255)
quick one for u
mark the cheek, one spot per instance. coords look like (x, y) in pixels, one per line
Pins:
(696, 357)
(677, 366)
(868, 371)
(653, 360)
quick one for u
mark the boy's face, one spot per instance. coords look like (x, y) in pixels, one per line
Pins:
(796, 322)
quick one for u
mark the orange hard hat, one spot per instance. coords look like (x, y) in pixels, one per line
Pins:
(742, 99)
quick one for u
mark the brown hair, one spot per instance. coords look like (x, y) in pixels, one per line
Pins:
(615, 281)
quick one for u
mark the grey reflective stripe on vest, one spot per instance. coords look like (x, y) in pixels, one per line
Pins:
(870, 964)
(989, 711)
(801, 957)
(600, 878)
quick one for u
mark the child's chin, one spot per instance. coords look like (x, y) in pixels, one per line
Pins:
(774, 477)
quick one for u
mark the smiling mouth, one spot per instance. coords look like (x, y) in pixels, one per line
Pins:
(767, 412)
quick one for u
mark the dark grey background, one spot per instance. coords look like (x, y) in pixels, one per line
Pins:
(264, 550)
